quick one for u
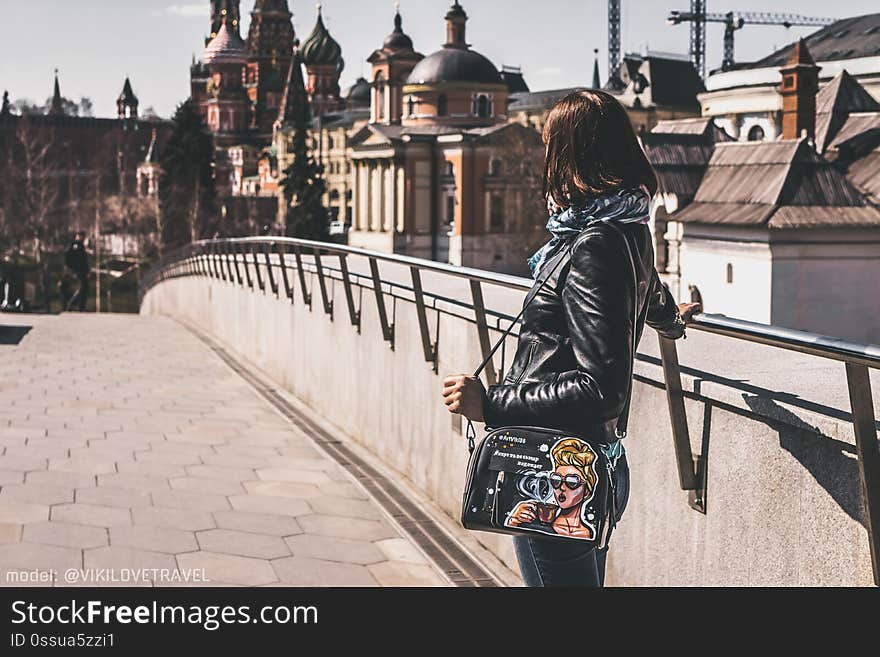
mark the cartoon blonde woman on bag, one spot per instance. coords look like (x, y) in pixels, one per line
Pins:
(573, 481)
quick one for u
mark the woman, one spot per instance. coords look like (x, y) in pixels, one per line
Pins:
(573, 364)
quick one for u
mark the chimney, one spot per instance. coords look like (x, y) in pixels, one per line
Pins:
(800, 82)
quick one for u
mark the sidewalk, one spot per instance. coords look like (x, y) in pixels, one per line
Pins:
(127, 443)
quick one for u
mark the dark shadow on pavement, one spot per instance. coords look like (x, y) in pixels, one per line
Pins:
(12, 335)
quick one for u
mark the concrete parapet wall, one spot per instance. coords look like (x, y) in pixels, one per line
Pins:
(783, 497)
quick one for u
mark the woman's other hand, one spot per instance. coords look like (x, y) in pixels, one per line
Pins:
(688, 310)
(464, 394)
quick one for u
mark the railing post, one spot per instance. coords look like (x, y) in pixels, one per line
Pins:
(387, 329)
(322, 286)
(483, 330)
(233, 251)
(691, 469)
(221, 265)
(297, 253)
(429, 349)
(244, 261)
(272, 283)
(259, 276)
(288, 289)
(353, 314)
(227, 249)
(858, 380)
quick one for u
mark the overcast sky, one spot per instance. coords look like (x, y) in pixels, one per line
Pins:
(96, 43)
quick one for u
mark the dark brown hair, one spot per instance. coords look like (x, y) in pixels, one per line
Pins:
(592, 149)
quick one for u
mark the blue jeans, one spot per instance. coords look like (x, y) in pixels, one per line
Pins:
(551, 562)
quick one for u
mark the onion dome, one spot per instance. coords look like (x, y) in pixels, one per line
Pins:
(455, 65)
(397, 40)
(358, 94)
(320, 48)
(226, 48)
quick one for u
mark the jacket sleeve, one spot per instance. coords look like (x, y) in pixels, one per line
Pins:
(663, 315)
(597, 299)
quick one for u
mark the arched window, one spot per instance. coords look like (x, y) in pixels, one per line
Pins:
(442, 105)
(496, 167)
(481, 106)
(330, 142)
(449, 170)
(729, 273)
(756, 133)
(379, 86)
(412, 106)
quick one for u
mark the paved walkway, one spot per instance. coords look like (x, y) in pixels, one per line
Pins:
(126, 443)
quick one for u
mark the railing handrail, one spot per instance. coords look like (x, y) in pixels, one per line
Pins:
(469, 273)
(211, 258)
(822, 346)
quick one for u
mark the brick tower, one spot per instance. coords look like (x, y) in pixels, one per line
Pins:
(800, 82)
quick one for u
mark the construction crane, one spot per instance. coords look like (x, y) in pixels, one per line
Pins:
(732, 21)
(613, 39)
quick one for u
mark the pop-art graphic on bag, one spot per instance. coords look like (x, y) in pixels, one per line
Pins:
(557, 500)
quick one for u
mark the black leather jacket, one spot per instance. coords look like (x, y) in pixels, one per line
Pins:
(573, 363)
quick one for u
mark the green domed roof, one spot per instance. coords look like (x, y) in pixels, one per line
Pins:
(320, 48)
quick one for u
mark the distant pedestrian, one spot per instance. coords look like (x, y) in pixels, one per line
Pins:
(77, 260)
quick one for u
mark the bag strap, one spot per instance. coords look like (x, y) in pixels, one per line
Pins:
(623, 419)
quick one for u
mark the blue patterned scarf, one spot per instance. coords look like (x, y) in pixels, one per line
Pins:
(627, 206)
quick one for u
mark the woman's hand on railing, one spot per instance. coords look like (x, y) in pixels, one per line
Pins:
(688, 310)
(464, 394)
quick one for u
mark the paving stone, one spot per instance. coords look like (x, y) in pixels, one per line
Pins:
(259, 523)
(202, 485)
(60, 478)
(84, 464)
(185, 519)
(118, 497)
(154, 539)
(179, 499)
(149, 469)
(284, 506)
(36, 494)
(294, 476)
(11, 477)
(91, 514)
(168, 457)
(136, 482)
(137, 562)
(344, 490)
(334, 549)
(345, 506)
(245, 544)
(36, 556)
(65, 534)
(229, 568)
(236, 474)
(303, 571)
(282, 489)
(402, 573)
(368, 530)
(400, 549)
(22, 463)
(9, 533)
(36, 451)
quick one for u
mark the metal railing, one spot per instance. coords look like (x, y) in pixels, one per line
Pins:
(288, 263)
